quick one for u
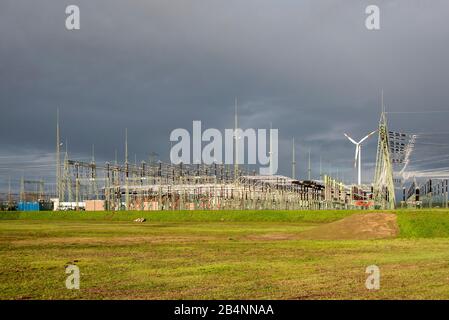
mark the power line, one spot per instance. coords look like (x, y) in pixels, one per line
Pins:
(429, 133)
(417, 112)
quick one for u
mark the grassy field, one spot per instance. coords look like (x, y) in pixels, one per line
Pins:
(217, 255)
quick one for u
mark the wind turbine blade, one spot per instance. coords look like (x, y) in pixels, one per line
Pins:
(369, 135)
(350, 139)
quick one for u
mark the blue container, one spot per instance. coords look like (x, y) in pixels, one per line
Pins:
(28, 206)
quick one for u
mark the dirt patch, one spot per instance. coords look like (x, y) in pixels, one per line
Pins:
(356, 227)
(272, 236)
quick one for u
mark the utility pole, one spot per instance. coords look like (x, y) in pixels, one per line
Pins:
(126, 171)
(293, 159)
(22, 189)
(93, 175)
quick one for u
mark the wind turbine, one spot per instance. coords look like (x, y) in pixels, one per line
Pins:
(358, 154)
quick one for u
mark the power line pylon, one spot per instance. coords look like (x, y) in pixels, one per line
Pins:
(384, 195)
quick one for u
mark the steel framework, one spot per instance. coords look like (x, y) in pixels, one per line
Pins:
(384, 195)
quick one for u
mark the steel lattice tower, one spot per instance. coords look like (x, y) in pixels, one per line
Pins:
(383, 177)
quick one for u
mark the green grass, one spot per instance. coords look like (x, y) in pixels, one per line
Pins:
(217, 255)
(424, 223)
(184, 216)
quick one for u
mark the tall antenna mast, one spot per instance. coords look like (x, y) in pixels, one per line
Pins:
(293, 159)
(126, 171)
(58, 157)
(236, 125)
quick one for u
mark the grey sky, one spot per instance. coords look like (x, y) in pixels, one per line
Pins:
(309, 67)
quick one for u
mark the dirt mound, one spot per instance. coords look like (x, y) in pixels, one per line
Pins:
(357, 226)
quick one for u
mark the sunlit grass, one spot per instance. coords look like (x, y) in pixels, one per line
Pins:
(217, 255)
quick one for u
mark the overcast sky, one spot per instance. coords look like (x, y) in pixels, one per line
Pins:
(311, 68)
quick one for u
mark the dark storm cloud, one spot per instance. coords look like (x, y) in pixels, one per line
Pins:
(309, 67)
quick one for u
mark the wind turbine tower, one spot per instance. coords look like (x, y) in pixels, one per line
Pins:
(358, 155)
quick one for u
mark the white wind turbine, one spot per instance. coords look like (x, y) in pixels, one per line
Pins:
(358, 154)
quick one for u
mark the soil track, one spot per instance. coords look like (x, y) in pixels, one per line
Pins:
(356, 227)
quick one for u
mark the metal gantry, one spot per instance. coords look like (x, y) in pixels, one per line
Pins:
(164, 186)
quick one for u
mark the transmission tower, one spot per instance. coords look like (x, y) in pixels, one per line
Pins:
(383, 177)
